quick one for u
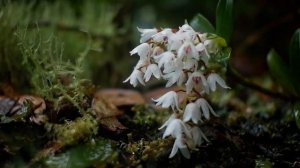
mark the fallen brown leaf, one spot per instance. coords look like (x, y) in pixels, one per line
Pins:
(122, 97)
(106, 113)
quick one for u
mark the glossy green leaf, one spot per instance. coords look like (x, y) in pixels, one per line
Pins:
(294, 58)
(280, 71)
(224, 19)
(201, 24)
(296, 111)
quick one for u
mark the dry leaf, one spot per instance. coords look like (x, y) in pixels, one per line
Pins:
(106, 113)
(14, 108)
(112, 124)
(38, 106)
(122, 97)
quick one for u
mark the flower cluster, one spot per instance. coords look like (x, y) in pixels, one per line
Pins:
(180, 57)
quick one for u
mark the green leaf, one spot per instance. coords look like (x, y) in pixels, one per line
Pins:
(224, 19)
(280, 71)
(296, 111)
(201, 24)
(294, 54)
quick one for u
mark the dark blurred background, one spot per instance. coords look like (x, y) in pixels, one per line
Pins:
(259, 26)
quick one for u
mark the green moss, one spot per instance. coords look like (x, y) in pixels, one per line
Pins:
(72, 132)
(148, 117)
(147, 150)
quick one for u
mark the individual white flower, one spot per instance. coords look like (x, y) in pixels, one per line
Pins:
(204, 55)
(197, 136)
(187, 36)
(214, 79)
(164, 58)
(135, 77)
(175, 77)
(172, 117)
(173, 65)
(186, 27)
(179, 144)
(142, 50)
(152, 69)
(146, 34)
(188, 49)
(170, 99)
(205, 108)
(176, 128)
(190, 64)
(196, 79)
(192, 112)
(174, 42)
(187, 32)
(174, 73)
(162, 36)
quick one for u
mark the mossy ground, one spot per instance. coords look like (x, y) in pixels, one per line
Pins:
(261, 139)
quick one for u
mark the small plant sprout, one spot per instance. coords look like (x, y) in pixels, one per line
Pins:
(191, 60)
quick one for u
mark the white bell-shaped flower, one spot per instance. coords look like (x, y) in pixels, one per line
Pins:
(174, 42)
(188, 49)
(173, 65)
(190, 64)
(170, 99)
(213, 79)
(197, 136)
(146, 34)
(203, 53)
(135, 77)
(192, 112)
(164, 58)
(172, 117)
(187, 32)
(196, 79)
(205, 108)
(179, 144)
(152, 69)
(177, 76)
(185, 28)
(162, 36)
(142, 50)
(177, 128)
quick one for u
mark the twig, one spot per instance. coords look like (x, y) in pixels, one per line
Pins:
(236, 76)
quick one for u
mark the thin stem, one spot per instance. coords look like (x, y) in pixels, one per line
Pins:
(236, 76)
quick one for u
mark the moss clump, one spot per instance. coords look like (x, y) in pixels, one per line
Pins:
(147, 150)
(148, 117)
(71, 132)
